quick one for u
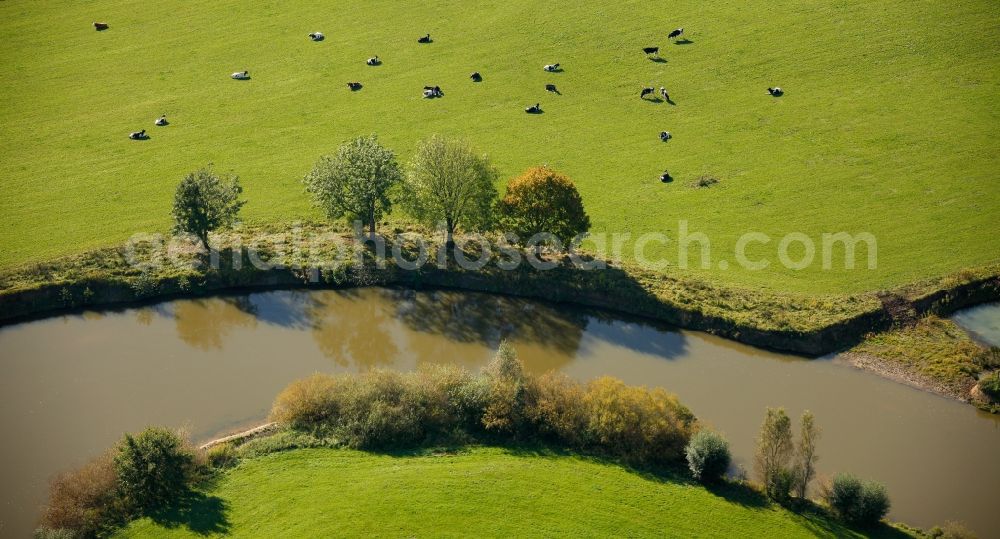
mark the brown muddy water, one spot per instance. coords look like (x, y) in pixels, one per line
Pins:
(71, 385)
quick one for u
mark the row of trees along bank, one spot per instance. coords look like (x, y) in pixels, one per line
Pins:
(445, 182)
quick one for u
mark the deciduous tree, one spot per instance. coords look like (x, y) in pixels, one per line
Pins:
(543, 201)
(449, 182)
(205, 202)
(356, 181)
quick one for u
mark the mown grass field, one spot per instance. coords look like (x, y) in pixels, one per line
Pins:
(481, 492)
(888, 124)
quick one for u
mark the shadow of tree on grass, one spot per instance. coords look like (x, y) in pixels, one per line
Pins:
(196, 511)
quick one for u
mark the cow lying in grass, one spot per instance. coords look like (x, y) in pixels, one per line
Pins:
(433, 91)
(775, 92)
(138, 135)
(551, 68)
(373, 61)
(317, 36)
(354, 86)
(100, 26)
(241, 75)
(476, 77)
(534, 109)
(425, 39)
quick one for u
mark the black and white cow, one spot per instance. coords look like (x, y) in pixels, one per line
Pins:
(354, 86)
(646, 91)
(162, 120)
(425, 39)
(241, 75)
(476, 77)
(551, 67)
(317, 36)
(676, 33)
(373, 61)
(665, 136)
(651, 50)
(534, 109)
(138, 135)
(775, 92)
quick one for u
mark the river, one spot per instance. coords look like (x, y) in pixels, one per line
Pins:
(71, 385)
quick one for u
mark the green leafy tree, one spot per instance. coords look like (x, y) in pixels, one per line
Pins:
(774, 451)
(205, 202)
(356, 181)
(448, 182)
(805, 454)
(153, 467)
(543, 201)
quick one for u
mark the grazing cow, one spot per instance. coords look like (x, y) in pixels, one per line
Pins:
(534, 109)
(100, 26)
(476, 77)
(651, 50)
(161, 121)
(663, 92)
(354, 86)
(138, 135)
(646, 91)
(317, 36)
(241, 75)
(775, 92)
(551, 88)
(676, 33)
(665, 136)
(373, 61)
(551, 67)
(425, 39)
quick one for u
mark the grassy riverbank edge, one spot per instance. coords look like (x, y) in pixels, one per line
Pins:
(269, 461)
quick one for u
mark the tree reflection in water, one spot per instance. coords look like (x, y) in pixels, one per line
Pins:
(204, 323)
(352, 328)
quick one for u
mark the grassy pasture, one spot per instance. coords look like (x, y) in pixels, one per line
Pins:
(482, 492)
(888, 124)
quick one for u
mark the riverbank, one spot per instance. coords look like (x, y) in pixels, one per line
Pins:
(932, 354)
(802, 324)
(482, 491)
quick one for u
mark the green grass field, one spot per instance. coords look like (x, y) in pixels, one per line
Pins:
(482, 492)
(888, 124)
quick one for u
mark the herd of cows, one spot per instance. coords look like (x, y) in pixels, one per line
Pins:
(431, 92)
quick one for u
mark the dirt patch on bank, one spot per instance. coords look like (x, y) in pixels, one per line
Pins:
(904, 374)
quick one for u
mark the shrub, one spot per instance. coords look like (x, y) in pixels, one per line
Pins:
(557, 410)
(989, 358)
(81, 502)
(153, 467)
(857, 502)
(312, 402)
(383, 409)
(636, 423)
(990, 385)
(505, 408)
(708, 456)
